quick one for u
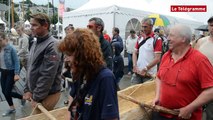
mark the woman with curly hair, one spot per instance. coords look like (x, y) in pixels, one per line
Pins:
(94, 90)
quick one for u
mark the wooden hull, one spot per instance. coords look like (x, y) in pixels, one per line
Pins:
(144, 93)
(59, 114)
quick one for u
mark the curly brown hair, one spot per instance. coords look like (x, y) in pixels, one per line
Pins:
(85, 47)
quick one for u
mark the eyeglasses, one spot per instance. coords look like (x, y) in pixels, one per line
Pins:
(144, 26)
(90, 26)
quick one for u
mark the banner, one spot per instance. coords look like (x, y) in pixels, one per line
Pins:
(61, 8)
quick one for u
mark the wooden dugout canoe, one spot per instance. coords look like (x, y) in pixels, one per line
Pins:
(128, 110)
(57, 114)
(144, 93)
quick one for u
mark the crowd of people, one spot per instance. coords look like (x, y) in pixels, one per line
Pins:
(94, 66)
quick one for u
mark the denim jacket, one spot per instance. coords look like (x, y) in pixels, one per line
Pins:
(11, 59)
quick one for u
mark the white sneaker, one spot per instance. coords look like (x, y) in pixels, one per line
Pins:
(9, 112)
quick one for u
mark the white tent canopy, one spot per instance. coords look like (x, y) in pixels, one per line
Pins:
(58, 24)
(113, 16)
(154, 6)
(117, 13)
(2, 22)
(27, 22)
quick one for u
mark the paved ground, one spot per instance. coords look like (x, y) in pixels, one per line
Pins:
(26, 110)
(22, 111)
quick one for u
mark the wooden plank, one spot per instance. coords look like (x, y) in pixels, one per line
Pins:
(60, 114)
(43, 110)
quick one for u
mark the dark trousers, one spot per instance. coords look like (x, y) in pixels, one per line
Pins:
(157, 116)
(130, 66)
(7, 83)
(209, 111)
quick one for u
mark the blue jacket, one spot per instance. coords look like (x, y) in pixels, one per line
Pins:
(117, 38)
(11, 59)
(118, 62)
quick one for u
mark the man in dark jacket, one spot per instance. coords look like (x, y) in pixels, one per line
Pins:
(45, 65)
(116, 37)
(97, 26)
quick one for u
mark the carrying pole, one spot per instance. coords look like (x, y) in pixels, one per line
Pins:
(43, 110)
(155, 108)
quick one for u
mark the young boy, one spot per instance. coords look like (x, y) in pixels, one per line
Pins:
(118, 62)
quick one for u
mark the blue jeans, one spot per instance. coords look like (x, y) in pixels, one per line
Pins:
(7, 83)
(130, 67)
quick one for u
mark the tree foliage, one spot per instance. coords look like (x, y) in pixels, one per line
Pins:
(54, 18)
(50, 5)
(28, 2)
(27, 14)
(16, 17)
(4, 2)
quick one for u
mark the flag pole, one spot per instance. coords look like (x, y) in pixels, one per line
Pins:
(9, 25)
(48, 7)
(60, 13)
(58, 22)
(23, 9)
(53, 11)
(12, 12)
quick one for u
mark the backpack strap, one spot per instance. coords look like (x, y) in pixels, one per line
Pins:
(142, 42)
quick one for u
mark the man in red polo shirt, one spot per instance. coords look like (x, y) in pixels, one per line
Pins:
(185, 78)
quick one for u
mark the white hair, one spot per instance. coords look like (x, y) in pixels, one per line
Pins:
(184, 31)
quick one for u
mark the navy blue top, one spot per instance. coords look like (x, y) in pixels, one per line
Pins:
(101, 100)
(118, 62)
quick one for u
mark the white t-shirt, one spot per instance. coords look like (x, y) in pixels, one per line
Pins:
(146, 56)
(130, 44)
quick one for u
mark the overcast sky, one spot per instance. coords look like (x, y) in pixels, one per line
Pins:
(200, 16)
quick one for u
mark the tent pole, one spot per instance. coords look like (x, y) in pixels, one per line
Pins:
(113, 19)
